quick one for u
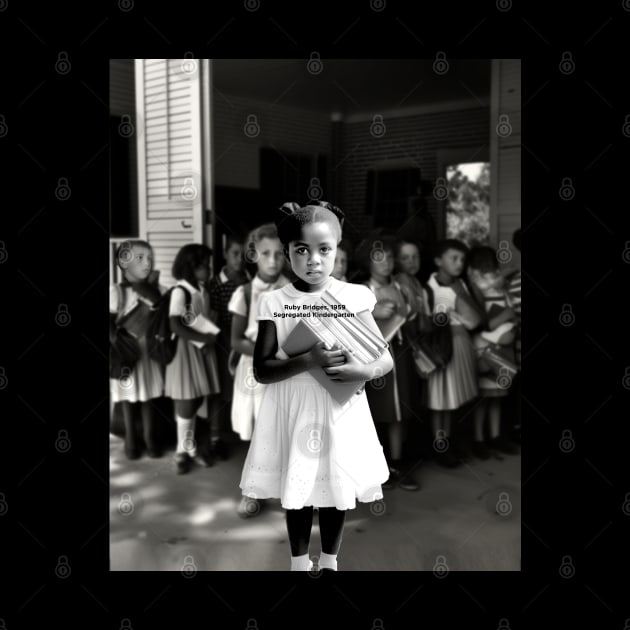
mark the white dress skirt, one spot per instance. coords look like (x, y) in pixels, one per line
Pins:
(191, 374)
(246, 397)
(308, 450)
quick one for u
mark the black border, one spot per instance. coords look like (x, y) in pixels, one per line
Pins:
(57, 126)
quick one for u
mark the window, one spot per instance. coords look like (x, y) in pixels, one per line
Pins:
(468, 202)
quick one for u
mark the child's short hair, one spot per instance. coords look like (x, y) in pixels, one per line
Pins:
(405, 241)
(482, 258)
(188, 258)
(441, 247)
(266, 230)
(516, 238)
(124, 250)
(365, 250)
(233, 239)
(292, 217)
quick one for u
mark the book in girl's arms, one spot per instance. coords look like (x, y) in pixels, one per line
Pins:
(310, 331)
(204, 326)
(390, 326)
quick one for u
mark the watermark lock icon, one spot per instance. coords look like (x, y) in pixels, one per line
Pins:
(440, 64)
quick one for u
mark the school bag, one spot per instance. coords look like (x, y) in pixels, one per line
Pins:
(161, 340)
(124, 350)
(436, 342)
(234, 356)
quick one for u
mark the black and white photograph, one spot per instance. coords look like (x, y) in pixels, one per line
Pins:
(315, 314)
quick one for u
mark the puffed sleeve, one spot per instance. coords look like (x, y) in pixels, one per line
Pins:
(264, 309)
(365, 298)
(177, 306)
(237, 303)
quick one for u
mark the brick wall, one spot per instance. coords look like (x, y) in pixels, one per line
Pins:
(408, 142)
(236, 155)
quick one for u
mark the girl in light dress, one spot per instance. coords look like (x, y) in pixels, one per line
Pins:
(130, 304)
(193, 373)
(307, 449)
(456, 384)
(265, 251)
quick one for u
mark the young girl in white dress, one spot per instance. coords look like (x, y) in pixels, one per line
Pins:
(307, 449)
(264, 249)
(131, 301)
(193, 374)
(455, 385)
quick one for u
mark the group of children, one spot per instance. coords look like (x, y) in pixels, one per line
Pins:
(275, 403)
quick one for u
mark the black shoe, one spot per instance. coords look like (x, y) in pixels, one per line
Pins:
(394, 478)
(220, 450)
(480, 450)
(461, 453)
(132, 452)
(153, 450)
(183, 463)
(204, 458)
(409, 483)
(503, 446)
(447, 459)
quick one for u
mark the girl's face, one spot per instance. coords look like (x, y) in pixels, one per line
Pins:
(341, 264)
(381, 263)
(313, 256)
(409, 259)
(141, 264)
(270, 258)
(234, 257)
(451, 262)
(202, 272)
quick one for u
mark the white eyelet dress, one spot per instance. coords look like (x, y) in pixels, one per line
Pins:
(307, 449)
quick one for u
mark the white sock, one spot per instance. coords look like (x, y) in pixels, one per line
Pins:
(328, 561)
(186, 435)
(301, 563)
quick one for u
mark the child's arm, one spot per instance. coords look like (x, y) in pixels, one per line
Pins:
(507, 314)
(239, 342)
(268, 369)
(354, 370)
(468, 311)
(384, 309)
(186, 332)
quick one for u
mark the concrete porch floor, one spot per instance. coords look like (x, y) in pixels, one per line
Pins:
(467, 518)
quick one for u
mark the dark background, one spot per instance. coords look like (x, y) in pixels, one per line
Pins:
(56, 504)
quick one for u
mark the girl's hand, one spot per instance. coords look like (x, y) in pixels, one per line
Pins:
(384, 309)
(325, 358)
(351, 370)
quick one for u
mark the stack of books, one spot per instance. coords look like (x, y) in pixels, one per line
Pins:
(333, 324)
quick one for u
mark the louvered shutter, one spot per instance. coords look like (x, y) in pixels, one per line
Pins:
(169, 115)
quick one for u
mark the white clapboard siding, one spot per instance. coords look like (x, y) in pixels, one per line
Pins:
(505, 153)
(169, 157)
